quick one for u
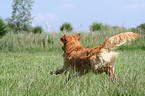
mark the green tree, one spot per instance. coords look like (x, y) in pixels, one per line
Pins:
(141, 26)
(133, 29)
(66, 27)
(3, 27)
(21, 18)
(96, 26)
(37, 29)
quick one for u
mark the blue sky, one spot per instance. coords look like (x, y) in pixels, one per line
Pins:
(82, 13)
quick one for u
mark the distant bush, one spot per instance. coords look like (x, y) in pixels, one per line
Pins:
(134, 29)
(96, 26)
(141, 26)
(3, 27)
(66, 27)
(99, 27)
(106, 27)
(37, 29)
(116, 27)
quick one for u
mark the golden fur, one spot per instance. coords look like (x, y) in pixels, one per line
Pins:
(96, 59)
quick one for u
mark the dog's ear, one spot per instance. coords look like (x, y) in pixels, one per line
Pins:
(78, 36)
(63, 39)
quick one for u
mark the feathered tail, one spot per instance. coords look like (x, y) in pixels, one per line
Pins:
(118, 40)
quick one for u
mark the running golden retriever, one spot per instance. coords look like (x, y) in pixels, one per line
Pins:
(96, 59)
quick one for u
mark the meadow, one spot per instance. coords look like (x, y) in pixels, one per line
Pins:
(25, 66)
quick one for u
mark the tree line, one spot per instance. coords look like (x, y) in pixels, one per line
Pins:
(21, 21)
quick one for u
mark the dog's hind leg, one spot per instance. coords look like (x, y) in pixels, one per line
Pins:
(109, 70)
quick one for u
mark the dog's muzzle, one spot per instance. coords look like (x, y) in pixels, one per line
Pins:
(63, 47)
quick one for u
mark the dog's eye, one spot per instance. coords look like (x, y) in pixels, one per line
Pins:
(62, 39)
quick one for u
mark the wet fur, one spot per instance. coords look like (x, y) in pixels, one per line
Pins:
(96, 59)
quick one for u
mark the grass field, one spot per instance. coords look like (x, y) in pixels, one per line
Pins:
(26, 59)
(27, 73)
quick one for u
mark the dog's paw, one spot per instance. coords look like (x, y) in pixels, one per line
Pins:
(51, 72)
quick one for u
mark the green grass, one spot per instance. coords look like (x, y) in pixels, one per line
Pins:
(26, 59)
(27, 73)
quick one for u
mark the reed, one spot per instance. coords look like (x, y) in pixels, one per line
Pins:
(23, 40)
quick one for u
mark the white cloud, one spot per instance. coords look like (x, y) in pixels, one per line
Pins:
(133, 7)
(45, 17)
(66, 6)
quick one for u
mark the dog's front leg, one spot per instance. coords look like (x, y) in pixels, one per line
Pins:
(63, 70)
(59, 71)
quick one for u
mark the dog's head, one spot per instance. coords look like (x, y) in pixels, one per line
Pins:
(69, 38)
(70, 42)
